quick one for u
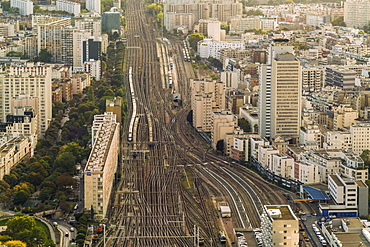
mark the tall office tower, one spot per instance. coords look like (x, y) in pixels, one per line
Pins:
(93, 6)
(91, 25)
(49, 36)
(25, 6)
(356, 13)
(33, 80)
(280, 94)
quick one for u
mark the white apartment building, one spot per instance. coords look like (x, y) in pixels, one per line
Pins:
(231, 78)
(329, 162)
(68, 6)
(317, 19)
(343, 191)
(338, 140)
(93, 67)
(360, 137)
(282, 164)
(356, 13)
(344, 116)
(214, 29)
(33, 80)
(102, 164)
(280, 226)
(265, 153)
(306, 173)
(269, 23)
(25, 6)
(93, 6)
(49, 36)
(209, 48)
(239, 25)
(91, 25)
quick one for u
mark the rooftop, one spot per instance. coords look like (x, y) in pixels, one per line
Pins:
(280, 212)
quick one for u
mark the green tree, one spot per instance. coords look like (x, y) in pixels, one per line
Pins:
(225, 27)
(90, 94)
(365, 156)
(66, 162)
(24, 229)
(244, 124)
(15, 243)
(20, 197)
(13, 10)
(339, 21)
(194, 39)
(44, 56)
(254, 12)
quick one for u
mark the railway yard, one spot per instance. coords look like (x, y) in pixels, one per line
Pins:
(168, 193)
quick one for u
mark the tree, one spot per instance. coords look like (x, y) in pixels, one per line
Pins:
(65, 162)
(20, 223)
(365, 156)
(15, 243)
(194, 39)
(13, 10)
(44, 56)
(339, 21)
(244, 124)
(20, 197)
(254, 12)
(3, 186)
(24, 228)
(225, 27)
(65, 180)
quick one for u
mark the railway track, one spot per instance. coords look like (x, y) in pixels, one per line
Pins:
(152, 206)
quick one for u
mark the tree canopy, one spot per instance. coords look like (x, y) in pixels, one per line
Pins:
(339, 21)
(44, 56)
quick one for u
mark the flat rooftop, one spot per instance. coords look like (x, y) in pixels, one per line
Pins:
(285, 212)
(361, 184)
(336, 180)
(352, 239)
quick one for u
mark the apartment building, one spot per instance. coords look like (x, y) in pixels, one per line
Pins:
(282, 165)
(12, 152)
(209, 48)
(115, 106)
(313, 79)
(25, 6)
(206, 95)
(174, 20)
(91, 25)
(360, 137)
(49, 36)
(102, 164)
(346, 192)
(32, 80)
(338, 140)
(317, 19)
(225, 11)
(306, 173)
(93, 6)
(223, 122)
(240, 25)
(199, 10)
(68, 6)
(311, 135)
(340, 77)
(356, 13)
(265, 153)
(279, 226)
(7, 29)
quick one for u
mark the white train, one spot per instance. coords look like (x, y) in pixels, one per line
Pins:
(133, 116)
